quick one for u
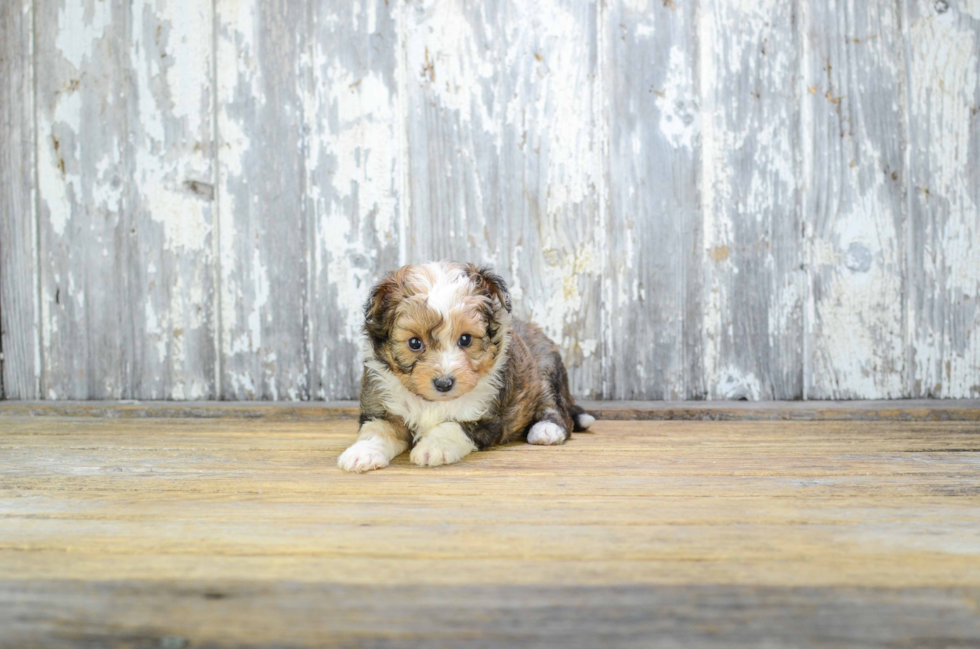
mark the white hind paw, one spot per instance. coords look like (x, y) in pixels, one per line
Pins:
(546, 433)
(585, 420)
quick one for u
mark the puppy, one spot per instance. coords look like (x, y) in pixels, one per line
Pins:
(448, 371)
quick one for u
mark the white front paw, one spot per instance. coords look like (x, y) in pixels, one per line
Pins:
(444, 444)
(430, 453)
(546, 433)
(362, 456)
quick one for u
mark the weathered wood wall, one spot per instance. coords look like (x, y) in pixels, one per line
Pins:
(697, 199)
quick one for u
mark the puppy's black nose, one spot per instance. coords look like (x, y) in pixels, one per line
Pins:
(444, 383)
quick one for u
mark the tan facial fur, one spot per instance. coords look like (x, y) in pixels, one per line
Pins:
(436, 304)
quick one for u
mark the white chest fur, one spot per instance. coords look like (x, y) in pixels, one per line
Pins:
(421, 415)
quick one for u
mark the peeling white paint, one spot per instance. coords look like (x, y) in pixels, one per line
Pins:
(716, 226)
(366, 118)
(588, 347)
(747, 106)
(236, 61)
(563, 90)
(79, 25)
(734, 384)
(970, 7)
(859, 320)
(108, 191)
(678, 118)
(444, 56)
(856, 345)
(520, 167)
(59, 183)
(563, 289)
(185, 219)
(945, 94)
(354, 177)
(260, 297)
(154, 329)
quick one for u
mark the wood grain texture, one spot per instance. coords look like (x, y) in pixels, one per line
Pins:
(123, 155)
(20, 366)
(504, 159)
(854, 124)
(228, 532)
(943, 42)
(754, 281)
(265, 251)
(354, 168)
(655, 256)
(54, 613)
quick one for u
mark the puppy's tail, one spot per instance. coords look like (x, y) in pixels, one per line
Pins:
(581, 418)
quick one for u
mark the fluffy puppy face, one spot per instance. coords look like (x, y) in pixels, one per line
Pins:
(439, 327)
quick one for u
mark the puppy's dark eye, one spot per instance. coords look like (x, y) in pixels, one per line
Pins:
(415, 344)
(465, 340)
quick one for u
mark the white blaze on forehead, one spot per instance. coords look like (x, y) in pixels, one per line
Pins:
(450, 361)
(448, 286)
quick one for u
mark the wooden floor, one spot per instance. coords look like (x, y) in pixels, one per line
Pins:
(229, 532)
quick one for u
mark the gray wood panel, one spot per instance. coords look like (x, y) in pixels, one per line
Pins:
(86, 233)
(943, 40)
(754, 281)
(173, 269)
(354, 173)
(124, 175)
(722, 200)
(654, 261)
(854, 119)
(504, 160)
(264, 252)
(20, 364)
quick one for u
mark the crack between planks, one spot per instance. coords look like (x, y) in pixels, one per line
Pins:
(403, 117)
(602, 126)
(216, 219)
(306, 76)
(908, 203)
(36, 196)
(799, 18)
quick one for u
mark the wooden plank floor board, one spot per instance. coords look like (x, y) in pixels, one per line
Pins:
(228, 532)
(225, 614)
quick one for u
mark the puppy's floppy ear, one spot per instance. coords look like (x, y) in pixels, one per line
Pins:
(491, 284)
(379, 310)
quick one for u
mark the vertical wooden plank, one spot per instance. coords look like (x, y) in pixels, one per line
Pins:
(354, 175)
(942, 38)
(20, 367)
(85, 232)
(123, 151)
(505, 162)
(654, 241)
(262, 224)
(753, 282)
(171, 127)
(854, 147)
